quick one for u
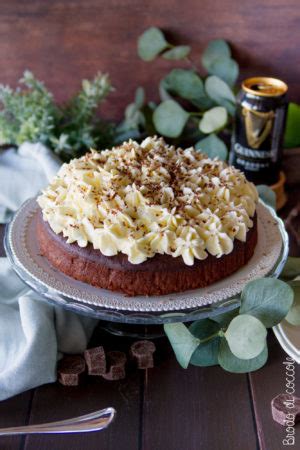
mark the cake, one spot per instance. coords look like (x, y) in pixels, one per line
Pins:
(148, 219)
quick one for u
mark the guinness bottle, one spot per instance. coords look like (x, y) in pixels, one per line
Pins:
(260, 121)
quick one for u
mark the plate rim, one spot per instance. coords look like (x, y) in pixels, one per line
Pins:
(98, 310)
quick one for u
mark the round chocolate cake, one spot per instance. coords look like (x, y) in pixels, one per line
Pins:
(148, 219)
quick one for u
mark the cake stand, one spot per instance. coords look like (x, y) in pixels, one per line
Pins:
(54, 287)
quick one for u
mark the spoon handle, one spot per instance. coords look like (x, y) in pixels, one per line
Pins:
(94, 421)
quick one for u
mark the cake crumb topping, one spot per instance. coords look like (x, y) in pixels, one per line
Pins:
(148, 198)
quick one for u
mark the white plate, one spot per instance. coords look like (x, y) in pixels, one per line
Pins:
(289, 338)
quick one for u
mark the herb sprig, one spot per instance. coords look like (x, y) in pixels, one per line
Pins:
(29, 113)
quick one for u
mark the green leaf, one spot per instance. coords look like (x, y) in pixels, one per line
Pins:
(224, 319)
(204, 328)
(213, 146)
(293, 316)
(203, 103)
(267, 195)
(220, 92)
(131, 110)
(182, 341)
(218, 48)
(267, 299)
(139, 99)
(291, 269)
(184, 83)
(292, 129)
(170, 118)
(151, 43)
(163, 93)
(231, 363)
(213, 120)
(178, 52)
(246, 336)
(217, 61)
(206, 354)
(225, 68)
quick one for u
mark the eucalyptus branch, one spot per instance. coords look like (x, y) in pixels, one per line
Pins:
(213, 96)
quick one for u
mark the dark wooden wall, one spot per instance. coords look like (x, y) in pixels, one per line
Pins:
(65, 40)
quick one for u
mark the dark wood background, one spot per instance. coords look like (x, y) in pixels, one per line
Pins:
(62, 41)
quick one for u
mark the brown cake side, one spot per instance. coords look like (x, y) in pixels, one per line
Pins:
(159, 275)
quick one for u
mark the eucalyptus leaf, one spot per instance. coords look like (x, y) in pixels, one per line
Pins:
(224, 319)
(184, 83)
(213, 146)
(267, 195)
(182, 341)
(178, 52)
(151, 43)
(206, 354)
(204, 328)
(131, 110)
(170, 118)
(203, 102)
(152, 105)
(293, 316)
(225, 68)
(267, 299)
(231, 363)
(292, 129)
(218, 48)
(246, 336)
(163, 93)
(220, 92)
(291, 269)
(139, 99)
(214, 119)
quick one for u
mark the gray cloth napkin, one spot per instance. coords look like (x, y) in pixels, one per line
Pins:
(33, 334)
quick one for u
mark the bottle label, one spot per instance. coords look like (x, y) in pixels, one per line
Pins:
(251, 159)
(258, 126)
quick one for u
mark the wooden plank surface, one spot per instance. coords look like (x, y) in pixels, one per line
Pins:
(53, 402)
(14, 412)
(265, 385)
(63, 41)
(271, 381)
(96, 393)
(197, 408)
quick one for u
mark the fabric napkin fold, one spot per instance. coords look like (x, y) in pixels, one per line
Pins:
(33, 334)
(23, 173)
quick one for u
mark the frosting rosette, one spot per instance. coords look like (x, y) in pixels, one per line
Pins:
(149, 198)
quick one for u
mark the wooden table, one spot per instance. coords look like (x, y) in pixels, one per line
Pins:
(162, 408)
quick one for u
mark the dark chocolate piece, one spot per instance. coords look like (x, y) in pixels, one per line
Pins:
(286, 409)
(142, 353)
(70, 370)
(95, 360)
(116, 363)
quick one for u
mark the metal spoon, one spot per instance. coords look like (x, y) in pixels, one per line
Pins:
(94, 421)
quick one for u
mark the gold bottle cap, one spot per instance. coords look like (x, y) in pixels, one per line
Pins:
(264, 86)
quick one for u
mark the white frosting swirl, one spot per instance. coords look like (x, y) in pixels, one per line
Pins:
(148, 198)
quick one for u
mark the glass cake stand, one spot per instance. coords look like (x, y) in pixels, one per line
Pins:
(56, 288)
